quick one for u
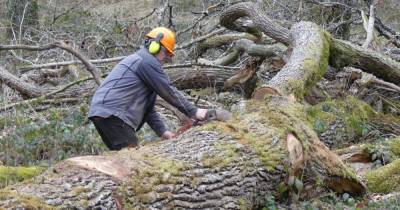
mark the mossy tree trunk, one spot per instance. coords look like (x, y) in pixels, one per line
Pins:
(266, 151)
(269, 149)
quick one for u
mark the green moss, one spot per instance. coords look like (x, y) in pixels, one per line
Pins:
(354, 113)
(385, 179)
(10, 175)
(270, 155)
(244, 204)
(264, 128)
(312, 68)
(394, 146)
(80, 190)
(18, 201)
(156, 171)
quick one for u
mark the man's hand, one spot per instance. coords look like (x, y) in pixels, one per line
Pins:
(201, 114)
(168, 135)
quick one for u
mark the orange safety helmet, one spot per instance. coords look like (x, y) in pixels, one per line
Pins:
(168, 38)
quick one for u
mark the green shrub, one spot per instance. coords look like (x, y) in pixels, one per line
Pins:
(49, 136)
(10, 175)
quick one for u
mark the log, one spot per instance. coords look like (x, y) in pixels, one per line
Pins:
(182, 78)
(342, 53)
(308, 61)
(25, 89)
(224, 165)
(198, 77)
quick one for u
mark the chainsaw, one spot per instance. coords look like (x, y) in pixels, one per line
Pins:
(211, 115)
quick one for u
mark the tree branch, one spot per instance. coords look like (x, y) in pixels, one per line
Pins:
(369, 25)
(62, 45)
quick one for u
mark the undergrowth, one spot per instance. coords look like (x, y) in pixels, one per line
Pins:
(30, 138)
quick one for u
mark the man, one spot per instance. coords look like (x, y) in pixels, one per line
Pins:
(126, 98)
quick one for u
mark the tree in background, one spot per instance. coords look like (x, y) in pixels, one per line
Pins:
(22, 14)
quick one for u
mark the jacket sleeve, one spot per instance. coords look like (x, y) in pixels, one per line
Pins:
(155, 122)
(155, 78)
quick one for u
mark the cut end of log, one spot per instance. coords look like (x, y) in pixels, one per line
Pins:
(295, 150)
(343, 185)
(106, 164)
(260, 93)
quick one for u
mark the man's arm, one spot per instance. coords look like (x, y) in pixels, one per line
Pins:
(157, 80)
(155, 122)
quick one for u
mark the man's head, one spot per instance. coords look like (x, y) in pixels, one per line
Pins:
(160, 43)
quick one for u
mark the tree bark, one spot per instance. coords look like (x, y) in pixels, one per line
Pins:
(308, 61)
(344, 54)
(199, 77)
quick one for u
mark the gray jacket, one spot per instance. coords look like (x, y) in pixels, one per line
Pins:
(129, 92)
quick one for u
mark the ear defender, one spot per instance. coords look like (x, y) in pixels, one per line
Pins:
(155, 45)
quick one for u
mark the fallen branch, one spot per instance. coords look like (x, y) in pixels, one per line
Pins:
(62, 45)
(41, 101)
(364, 79)
(387, 32)
(199, 39)
(115, 59)
(25, 89)
(43, 97)
(66, 63)
(249, 47)
(221, 40)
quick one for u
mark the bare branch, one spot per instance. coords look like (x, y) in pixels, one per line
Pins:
(89, 66)
(199, 39)
(66, 63)
(63, 45)
(369, 25)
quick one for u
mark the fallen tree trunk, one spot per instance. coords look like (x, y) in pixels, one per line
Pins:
(189, 78)
(342, 53)
(308, 61)
(228, 165)
(266, 150)
(25, 89)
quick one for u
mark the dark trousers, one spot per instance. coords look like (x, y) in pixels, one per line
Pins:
(115, 133)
